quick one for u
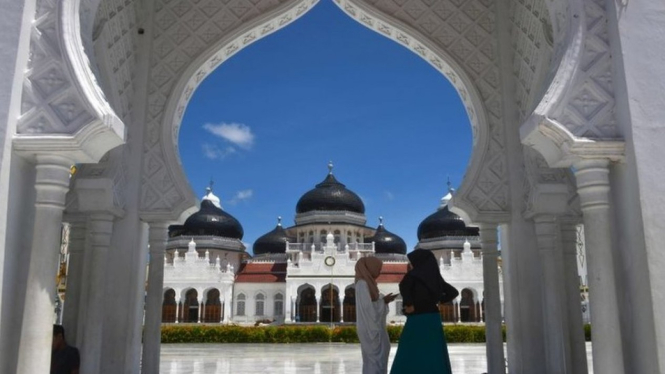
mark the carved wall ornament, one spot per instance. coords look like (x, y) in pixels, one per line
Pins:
(63, 109)
(577, 116)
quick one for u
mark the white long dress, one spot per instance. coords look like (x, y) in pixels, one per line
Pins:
(372, 333)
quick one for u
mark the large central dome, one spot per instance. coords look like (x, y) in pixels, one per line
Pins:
(330, 195)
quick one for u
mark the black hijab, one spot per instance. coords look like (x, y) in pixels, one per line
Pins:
(426, 268)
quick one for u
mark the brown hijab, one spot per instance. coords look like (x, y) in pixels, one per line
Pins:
(368, 269)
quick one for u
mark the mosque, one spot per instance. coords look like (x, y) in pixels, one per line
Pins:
(305, 273)
(564, 101)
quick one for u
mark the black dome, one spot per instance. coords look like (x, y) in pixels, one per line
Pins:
(272, 242)
(387, 242)
(444, 223)
(211, 220)
(332, 196)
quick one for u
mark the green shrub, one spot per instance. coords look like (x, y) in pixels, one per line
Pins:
(302, 334)
(186, 333)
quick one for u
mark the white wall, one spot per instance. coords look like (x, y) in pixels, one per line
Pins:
(637, 36)
(16, 179)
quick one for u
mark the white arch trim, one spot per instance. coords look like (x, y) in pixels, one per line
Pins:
(282, 16)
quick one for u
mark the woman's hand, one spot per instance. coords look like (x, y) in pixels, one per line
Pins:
(409, 309)
(389, 298)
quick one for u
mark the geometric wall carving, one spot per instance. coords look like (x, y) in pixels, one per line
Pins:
(590, 112)
(60, 93)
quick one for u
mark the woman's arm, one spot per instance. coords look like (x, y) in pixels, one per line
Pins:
(449, 292)
(406, 290)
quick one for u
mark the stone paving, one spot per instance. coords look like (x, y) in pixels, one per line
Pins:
(315, 358)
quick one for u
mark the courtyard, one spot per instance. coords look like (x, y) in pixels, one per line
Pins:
(316, 358)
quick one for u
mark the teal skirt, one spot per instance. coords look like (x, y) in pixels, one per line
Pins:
(422, 347)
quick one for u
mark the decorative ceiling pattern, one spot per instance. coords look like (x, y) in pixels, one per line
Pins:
(115, 36)
(532, 42)
(466, 31)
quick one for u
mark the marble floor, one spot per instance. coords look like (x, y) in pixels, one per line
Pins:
(314, 358)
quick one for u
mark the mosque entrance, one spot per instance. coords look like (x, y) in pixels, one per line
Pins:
(329, 304)
(191, 307)
(213, 307)
(349, 304)
(169, 307)
(467, 306)
(307, 306)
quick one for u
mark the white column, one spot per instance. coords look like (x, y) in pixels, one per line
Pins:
(75, 281)
(594, 190)
(101, 229)
(51, 185)
(341, 309)
(228, 303)
(494, 335)
(157, 237)
(572, 295)
(557, 343)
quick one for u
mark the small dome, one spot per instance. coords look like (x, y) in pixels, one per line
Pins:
(386, 242)
(330, 195)
(211, 220)
(273, 242)
(444, 223)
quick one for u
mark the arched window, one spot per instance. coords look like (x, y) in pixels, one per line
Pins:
(240, 305)
(338, 236)
(279, 304)
(260, 303)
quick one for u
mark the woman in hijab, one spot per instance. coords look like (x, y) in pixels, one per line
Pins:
(371, 311)
(422, 346)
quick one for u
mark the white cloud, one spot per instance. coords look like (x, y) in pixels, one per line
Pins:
(236, 133)
(389, 195)
(214, 152)
(241, 196)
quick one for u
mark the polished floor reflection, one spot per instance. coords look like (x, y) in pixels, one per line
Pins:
(315, 358)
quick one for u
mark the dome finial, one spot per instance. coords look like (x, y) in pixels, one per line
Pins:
(279, 220)
(380, 220)
(330, 167)
(449, 195)
(209, 188)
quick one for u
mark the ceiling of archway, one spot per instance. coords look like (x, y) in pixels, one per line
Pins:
(183, 30)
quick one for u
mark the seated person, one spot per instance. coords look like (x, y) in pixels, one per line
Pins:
(65, 359)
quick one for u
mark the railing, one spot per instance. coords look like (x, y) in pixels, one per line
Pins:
(207, 241)
(269, 257)
(319, 247)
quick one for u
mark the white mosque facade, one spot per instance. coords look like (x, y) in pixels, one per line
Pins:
(305, 273)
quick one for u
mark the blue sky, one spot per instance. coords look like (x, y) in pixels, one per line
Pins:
(265, 124)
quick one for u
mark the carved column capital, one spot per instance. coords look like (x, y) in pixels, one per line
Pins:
(593, 183)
